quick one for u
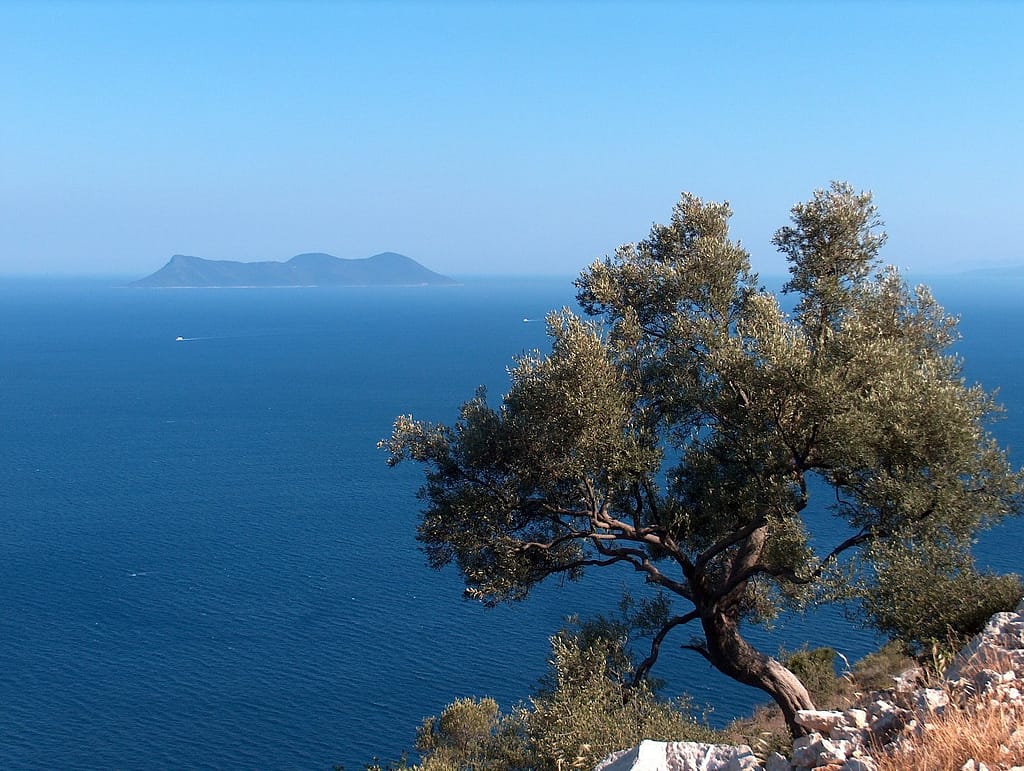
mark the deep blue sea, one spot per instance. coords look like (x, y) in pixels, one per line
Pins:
(204, 561)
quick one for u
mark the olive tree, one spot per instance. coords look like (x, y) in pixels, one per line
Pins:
(684, 429)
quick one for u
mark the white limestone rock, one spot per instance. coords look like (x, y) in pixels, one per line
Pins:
(857, 718)
(815, 750)
(680, 756)
(931, 700)
(859, 764)
(821, 720)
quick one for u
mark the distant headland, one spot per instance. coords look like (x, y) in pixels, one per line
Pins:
(385, 269)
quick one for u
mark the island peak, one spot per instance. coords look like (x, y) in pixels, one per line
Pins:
(307, 269)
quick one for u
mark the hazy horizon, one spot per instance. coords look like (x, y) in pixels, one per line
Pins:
(773, 274)
(497, 139)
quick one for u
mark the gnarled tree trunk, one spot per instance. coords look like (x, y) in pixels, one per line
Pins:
(735, 657)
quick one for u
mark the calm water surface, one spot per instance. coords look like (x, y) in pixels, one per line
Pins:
(206, 563)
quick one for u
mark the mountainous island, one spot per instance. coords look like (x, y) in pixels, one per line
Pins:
(385, 269)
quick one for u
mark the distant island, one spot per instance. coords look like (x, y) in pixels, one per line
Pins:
(385, 269)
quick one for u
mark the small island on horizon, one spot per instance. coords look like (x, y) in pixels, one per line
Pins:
(312, 269)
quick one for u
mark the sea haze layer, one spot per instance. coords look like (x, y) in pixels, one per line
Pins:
(206, 562)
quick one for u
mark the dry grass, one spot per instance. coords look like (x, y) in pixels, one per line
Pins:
(765, 730)
(992, 734)
(986, 731)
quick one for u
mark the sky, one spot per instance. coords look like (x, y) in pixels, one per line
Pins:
(497, 137)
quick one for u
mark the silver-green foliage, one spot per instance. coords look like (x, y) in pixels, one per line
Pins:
(586, 709)
(473, 734)
(934, 596)
(682, 431)
(594, 710)
(816, 668)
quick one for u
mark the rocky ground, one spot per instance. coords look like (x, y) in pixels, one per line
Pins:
(890, 728)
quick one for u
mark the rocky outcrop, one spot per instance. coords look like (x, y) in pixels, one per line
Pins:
(681, 756)
(989, 671)
(999, 647)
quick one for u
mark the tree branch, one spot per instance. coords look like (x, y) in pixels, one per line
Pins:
(717, 548)
(641, 562)
(645, 666)
(553, 543)
(788, 573)
(700, 648)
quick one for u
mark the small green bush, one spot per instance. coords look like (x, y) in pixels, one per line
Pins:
(935, 597)
(584, 709)
(816, 670)
(876, 671)
(592, 712)
(473, 734)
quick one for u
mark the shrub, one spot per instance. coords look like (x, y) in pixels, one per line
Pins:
(876, 671)
(816, 670)
(936, 597)
(585, 708)
(470, 733)
(592, 712)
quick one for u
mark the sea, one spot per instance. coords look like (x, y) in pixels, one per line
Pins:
(205, 562)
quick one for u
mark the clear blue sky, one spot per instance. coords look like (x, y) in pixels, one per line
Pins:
(497, 137)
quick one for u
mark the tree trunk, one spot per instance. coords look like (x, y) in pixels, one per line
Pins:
(735, 657)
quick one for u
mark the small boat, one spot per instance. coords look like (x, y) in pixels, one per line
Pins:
(179, 339)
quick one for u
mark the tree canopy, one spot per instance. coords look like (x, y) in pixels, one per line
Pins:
(683, 429)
